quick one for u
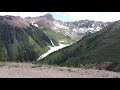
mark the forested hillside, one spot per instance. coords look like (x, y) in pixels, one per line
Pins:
(100, 47)
(21, 41)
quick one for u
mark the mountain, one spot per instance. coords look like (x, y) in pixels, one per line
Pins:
(56, 37)
(75, 30)
(49, 16)
(78, 29)
(96, 50)
(45, 23)
(27, 38)
(41, 21)
(20, 40)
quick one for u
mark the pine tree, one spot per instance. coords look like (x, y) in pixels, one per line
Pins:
(1, 52)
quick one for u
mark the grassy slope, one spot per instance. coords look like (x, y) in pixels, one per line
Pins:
(56, 37)
(100, 46)
(19, 44)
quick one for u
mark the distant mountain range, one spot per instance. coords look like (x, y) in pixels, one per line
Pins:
(75, 30)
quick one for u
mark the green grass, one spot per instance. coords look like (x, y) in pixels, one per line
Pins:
(20, 44)
(56, 37)
(37, 48)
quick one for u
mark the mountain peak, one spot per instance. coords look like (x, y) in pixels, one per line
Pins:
(49, 16)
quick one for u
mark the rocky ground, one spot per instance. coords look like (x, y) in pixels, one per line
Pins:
(28, 70)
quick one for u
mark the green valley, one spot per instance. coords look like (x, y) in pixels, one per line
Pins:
(102, 46)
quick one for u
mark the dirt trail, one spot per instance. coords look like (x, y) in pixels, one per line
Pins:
(27, 70)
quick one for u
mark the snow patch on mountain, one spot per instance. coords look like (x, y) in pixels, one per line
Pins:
(36, 25)
(52, 49)
(61, 41)
(59, 25)
(52, 43)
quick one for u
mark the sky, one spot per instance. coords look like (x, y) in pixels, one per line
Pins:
(71, 16)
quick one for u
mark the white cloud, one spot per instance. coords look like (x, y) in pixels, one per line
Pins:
(71, 16)
(98, 16)
(23, 14)
(8, 13)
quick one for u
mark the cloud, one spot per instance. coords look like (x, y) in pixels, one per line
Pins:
(23, 14)
(84, 15)
(31, 14)
(71, 16)
(97, 16)
(8, 13)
